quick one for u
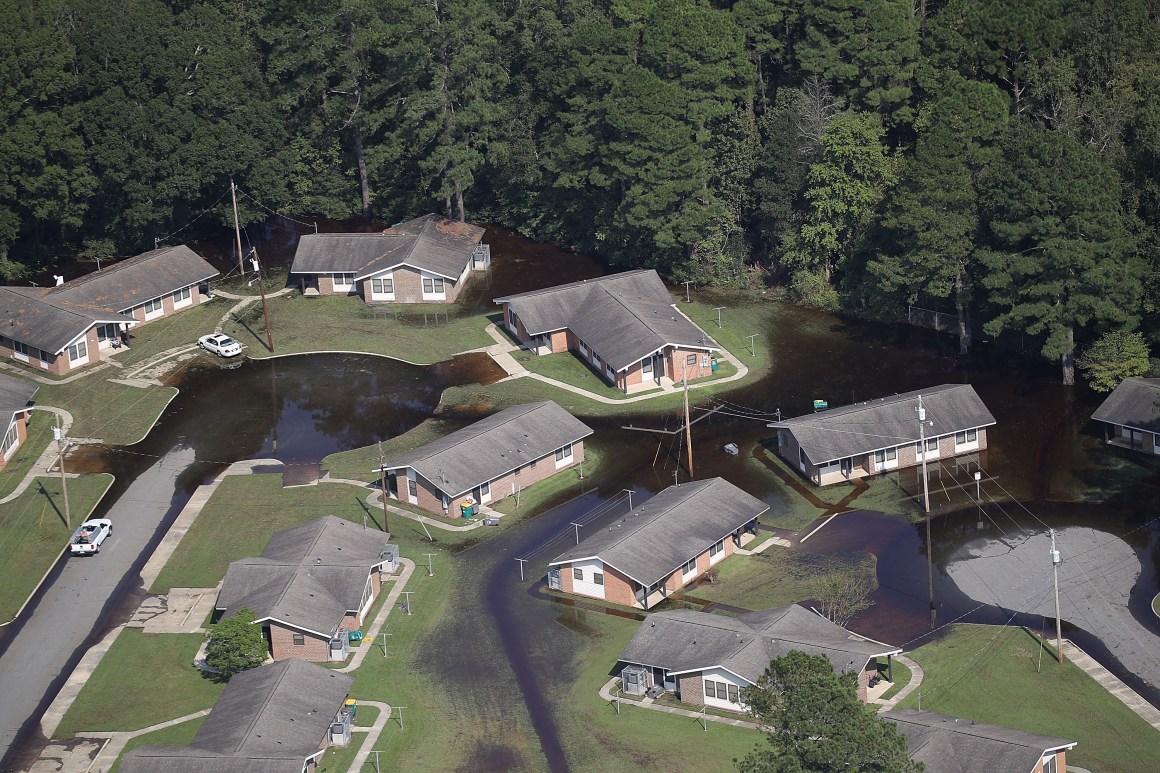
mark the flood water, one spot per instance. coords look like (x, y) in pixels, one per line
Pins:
(1042, 454)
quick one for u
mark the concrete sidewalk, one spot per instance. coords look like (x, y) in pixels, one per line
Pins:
(647, 703)
(49, 458)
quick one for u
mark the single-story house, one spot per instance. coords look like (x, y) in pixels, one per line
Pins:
(490, 459)
(625, 326)
(949, 745)
(312, 585)
(61, 328)
(277, 718)
(707, 659)
(1131, 415)
(660, 546)
(15, 396)
(883, 435)
(424, 260)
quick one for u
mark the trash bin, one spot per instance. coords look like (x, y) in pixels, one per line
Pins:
(713, 365)
(467, 510)
(355, 636)
(352, 706)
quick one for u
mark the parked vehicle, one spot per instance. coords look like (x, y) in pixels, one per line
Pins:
(220, 344)
(87, 539)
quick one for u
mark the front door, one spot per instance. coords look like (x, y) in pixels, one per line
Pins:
(848, 466)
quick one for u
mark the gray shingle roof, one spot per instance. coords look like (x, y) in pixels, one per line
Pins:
(429, 243)
(890, 421)
(950, 745)
(1134, 403)
(684, 640)
(623, 317)
(307, 577)
(674, 526)
(134, 281)
(29, 317)
(491, 447)
(14, 396)
(268, 720)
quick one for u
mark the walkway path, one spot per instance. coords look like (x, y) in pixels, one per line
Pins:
(647, 703)
(916, 675)
(49, 458)
(375, 500)
(117, 740)
(1125, 694)
(400, 581)
(372, 732)
(502, 350)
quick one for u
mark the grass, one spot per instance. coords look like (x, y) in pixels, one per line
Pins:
(176, 735)
(597, 738)
(779, 576)
(569, 368)
(338, 323)
(39, 435)
(143, 679)
(902, 677)
(742, 316)
(275, 278)
(33, 533)
(989, 674)
(361, 463)
(1156, 604)
(181, 329)
(118, 414)
(554, 488)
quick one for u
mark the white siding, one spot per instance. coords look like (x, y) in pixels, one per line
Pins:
(587, 570)
(720, 675)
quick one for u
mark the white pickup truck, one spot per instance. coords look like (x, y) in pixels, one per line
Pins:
(87, 539)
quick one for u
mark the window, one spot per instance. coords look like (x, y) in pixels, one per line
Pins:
(716, 549)
(646, 365)
(710, 689)
(342, 280)
(564, 453)
(11, 439)
(153, 307)
(691, 359)
(931, 447)
(722, 691)
(484, 490)
(583, 348)
(886, 455)
(383, 286)
(412, 488)
(966, 438)
(433, 285)
(299, 639)
(734, 694)
(78, 352)
(577, 574)
(598, 578)
(596, 359)
(183, 296)
(20, 350)
(689, 567)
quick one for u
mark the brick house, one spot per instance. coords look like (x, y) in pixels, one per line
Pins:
(15, 396)
(659, 547)
(489, 459)
(58, 329)
(625, 326)
(311, 582)
(883, 435)
(425, 260)
(277, 718)
(1131, 415)
(707, 659)
(950, 745)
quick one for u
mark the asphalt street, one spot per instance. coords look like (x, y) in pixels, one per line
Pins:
(1096, 576)
(73, 603)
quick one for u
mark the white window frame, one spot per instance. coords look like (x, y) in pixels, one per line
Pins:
(598, 578)
(932, 449)
(183, 297)
(577, 573)
(20, 350)
(438, 285)
(153, 308)
(78, 353)
(689, 569)
(484, 492)
(886, 458)
(717, 551)
(342, 281)
(412, 488)
(381, 292)
(564, 455)
(967, 439)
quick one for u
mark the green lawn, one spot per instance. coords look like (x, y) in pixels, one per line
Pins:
(361, 463)
(553, 488)
(116, 413)
(743, 315)
(245, 284)
(597, 738)
(143, 679)
(176, 735)
(778, 576)
(182, 329)
(334, 323)
(33, 533)
(902, 676)
(39, 436)
(569, 368)
(1004, 676)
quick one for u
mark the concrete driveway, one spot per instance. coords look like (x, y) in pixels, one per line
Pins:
(46, 641)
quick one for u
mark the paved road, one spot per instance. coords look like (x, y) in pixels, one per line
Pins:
(1095, 577)
(72, 604)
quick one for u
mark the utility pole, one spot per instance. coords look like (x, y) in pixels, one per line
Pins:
(752, 348)
(407, 601)
(430, 565)
(522, 562)
(1055, 560)
(926, 509)
(688, 426)
(577, 526)
(383, 483)
(718, 310)
(262, 291)
(687, 299)
(237, 228)
(979, 497)
(629, 499)
(58, 434)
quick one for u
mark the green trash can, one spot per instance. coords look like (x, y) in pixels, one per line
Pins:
(467, 510)
(713, 364)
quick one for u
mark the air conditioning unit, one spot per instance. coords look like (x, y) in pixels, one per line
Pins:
(634, 680)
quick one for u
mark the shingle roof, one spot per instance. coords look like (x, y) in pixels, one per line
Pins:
(267, 720)
(429, 243)
(684, 640)
(308, 576)
(890, 421)
(491, 447)
(29, 317)
(14, 396)
(135, 280)
(950, 745)
(623, 317)
(1134, 403)
(674, 526)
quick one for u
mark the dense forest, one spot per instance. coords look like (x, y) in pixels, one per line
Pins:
(996, 160)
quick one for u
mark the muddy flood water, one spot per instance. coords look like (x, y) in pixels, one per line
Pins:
(1045, 467)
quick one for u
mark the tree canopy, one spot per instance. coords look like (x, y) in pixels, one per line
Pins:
(236, 644)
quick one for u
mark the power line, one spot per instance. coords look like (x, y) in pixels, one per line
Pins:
(277, 213)
(191, 222)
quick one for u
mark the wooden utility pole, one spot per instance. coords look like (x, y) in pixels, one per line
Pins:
(926, 509)
(1055, 572)
(383, 483)
(237, 228)
(262, 291)
(63, 481)
(688, 426)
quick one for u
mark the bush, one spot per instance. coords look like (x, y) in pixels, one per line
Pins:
(236, 644)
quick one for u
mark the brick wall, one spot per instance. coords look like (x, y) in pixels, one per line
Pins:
(282, 645)
(691, 688)
(558, 341)
(675, 367)
(617, 587)
(864, 679)
(409, 287)
(1060, 761)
